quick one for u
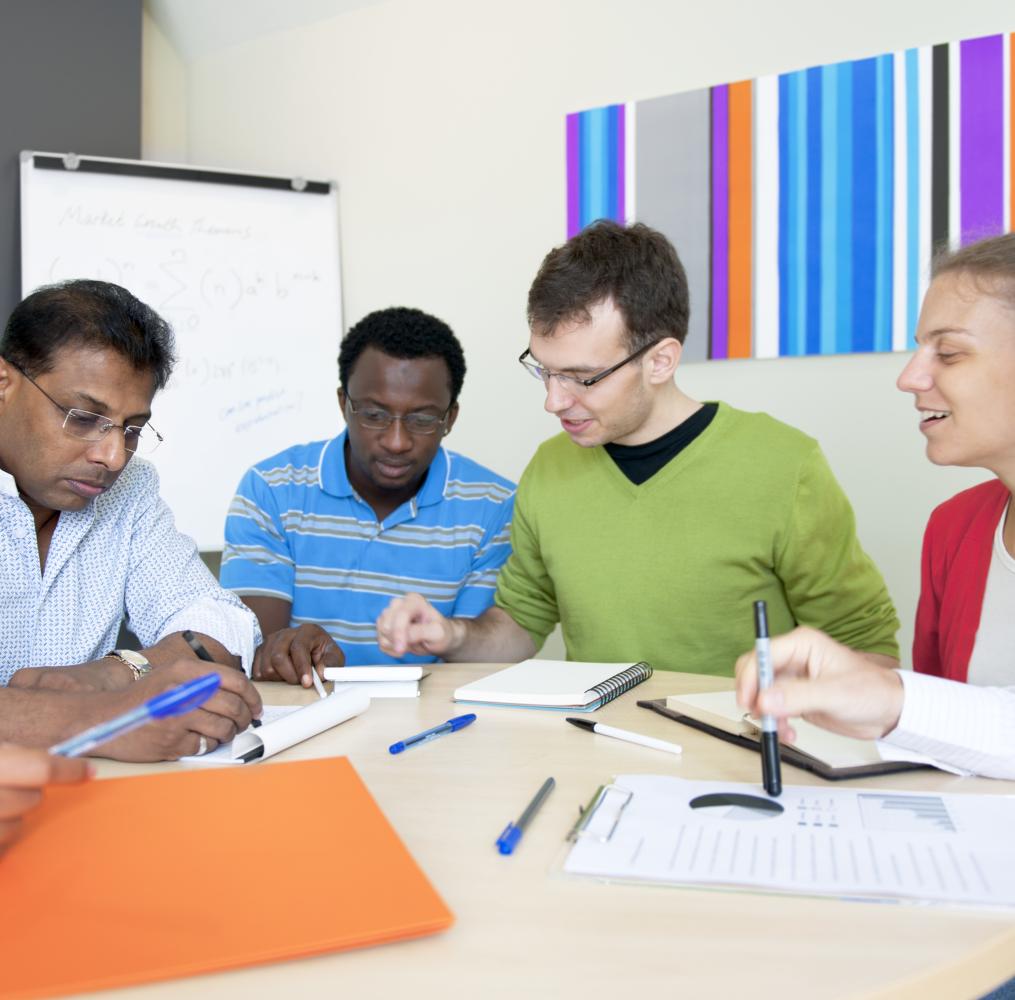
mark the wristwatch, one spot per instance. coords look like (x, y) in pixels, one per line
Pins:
(139, 665)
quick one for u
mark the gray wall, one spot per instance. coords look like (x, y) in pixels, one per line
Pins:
(70, 81)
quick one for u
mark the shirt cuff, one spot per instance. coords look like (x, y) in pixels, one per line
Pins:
(232, 625)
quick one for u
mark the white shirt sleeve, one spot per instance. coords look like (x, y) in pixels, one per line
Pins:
(223, 621)
(169, 589)
(959, 725)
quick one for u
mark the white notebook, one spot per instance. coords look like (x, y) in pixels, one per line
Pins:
(283, 726)
(383, 672)
(385, 681)
(576, 687)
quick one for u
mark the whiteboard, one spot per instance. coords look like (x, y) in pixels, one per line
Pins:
(246, 270)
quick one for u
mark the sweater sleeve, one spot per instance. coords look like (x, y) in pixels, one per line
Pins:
(524, 587)
(926, 634)
(831, 584)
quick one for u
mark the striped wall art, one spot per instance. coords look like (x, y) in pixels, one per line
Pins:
(806, 206)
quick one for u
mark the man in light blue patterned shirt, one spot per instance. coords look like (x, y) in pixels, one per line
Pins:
(86, 538)
(322, 536)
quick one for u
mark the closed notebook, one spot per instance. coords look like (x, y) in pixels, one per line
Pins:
(557, 684)
(817, 750)
(386, 681)
(128, 880)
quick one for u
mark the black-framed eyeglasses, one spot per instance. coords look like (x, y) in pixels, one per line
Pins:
(537, 371)
(94, 427)
(376, 418)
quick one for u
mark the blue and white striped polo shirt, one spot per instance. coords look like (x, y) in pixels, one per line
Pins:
(297, 530)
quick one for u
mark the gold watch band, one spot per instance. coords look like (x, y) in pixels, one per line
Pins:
(138, 664)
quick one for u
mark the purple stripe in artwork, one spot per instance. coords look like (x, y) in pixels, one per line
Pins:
(982, 137)
(573, 176)
(720, 222)
(620, 214)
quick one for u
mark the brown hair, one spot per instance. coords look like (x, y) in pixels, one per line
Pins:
(634, 266)
(991, 260)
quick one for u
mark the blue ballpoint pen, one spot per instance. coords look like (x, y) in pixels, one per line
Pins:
(176, 701)
(451, 726)
(508, 840)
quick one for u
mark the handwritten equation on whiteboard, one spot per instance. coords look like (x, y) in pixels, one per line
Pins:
(249, 278)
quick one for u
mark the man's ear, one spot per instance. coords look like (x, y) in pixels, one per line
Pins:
(451, 418)
(340, 392)
(7, 371)
(663, 360)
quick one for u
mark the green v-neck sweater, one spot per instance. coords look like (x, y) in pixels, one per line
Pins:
(667, 571)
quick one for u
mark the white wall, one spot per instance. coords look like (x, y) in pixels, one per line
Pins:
(163, 96)
(443, 121)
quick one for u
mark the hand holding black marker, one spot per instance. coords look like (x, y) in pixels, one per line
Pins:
(771, 772)
(202, 654)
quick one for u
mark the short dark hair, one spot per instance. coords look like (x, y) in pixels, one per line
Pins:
(634, 266)
(401, 332)
(990, 260)
(88, 313)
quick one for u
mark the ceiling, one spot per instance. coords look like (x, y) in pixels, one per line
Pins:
(197, 27)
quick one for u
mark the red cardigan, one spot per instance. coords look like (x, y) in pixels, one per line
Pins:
(957, 547)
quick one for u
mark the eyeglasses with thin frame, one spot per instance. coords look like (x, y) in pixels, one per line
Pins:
(376, 418)
(537, 371)
(94, 427)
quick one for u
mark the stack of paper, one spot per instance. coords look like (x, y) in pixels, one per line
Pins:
(392, 681)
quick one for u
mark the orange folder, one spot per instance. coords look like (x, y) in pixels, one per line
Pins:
(128, 880)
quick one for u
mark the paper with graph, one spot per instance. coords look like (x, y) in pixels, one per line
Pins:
(838, 842)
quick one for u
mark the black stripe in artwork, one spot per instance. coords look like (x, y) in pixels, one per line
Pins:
(940, 147)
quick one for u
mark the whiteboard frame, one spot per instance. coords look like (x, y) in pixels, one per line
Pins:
(156, 170)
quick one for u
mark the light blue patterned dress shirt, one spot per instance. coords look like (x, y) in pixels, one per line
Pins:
(120, 555)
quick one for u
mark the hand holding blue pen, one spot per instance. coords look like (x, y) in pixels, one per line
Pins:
(451, 726)
(176, 701)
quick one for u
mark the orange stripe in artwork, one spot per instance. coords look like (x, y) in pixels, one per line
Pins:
(741, 144)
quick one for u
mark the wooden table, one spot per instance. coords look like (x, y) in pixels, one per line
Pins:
(525, 930)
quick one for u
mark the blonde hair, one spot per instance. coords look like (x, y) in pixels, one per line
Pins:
(991, 260)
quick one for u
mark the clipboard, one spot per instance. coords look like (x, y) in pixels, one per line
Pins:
(788, 754)
(129, 880)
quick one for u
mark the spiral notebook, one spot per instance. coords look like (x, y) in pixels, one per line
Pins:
(555, 684)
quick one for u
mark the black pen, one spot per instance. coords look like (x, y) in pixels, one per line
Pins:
(202, 654)
(771, 772)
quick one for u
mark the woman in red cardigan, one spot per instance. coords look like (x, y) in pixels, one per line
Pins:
(962, 377)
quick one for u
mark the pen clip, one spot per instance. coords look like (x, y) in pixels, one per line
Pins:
(580, 828)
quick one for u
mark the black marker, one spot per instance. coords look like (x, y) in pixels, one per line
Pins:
(202, 654)
(771, 773)
(195, 644)
(255, 754)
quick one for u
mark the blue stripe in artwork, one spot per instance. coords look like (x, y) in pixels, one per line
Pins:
(829, 215)
(798, 88)
(884, 164)
(912, 194)
(844, 210)
(812, 259)
(864, 201)
(584, 156)
(784, 200)
(610, 179)
(595, 126)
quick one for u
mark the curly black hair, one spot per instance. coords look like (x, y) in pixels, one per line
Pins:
(87, 313)
(401, 332)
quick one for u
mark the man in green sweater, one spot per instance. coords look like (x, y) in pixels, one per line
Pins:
(649, 526)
